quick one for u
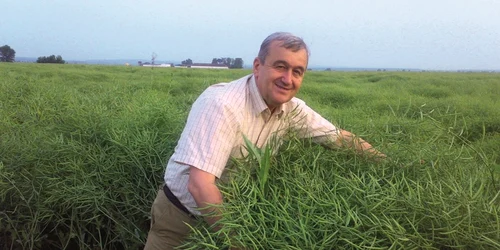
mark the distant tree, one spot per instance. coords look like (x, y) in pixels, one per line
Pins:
(187, 62)
(7, 54)
(238, 63)
(214, 61)
(228, 61)
(59, 59)
(140, 63)
(50, 59)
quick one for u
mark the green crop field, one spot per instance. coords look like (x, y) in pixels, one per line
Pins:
(83, 149)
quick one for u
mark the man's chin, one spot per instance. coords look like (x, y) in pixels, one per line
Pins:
(281, 100)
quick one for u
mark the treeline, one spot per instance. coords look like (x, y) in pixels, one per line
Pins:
(233, 63)
(50, 59)
(8, 54)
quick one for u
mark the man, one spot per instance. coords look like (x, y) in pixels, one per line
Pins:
(260, 106)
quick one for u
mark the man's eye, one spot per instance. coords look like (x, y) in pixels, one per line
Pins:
(280, 67)
(298, 73)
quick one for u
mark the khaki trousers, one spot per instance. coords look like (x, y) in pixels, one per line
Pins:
(168, 224)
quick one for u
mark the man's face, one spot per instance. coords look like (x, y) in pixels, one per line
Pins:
(280, 77)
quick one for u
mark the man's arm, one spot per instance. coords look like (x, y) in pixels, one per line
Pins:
(202, 187)
(310, 124)
(349, 140)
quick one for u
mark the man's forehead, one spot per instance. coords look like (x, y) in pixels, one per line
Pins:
(295, 54)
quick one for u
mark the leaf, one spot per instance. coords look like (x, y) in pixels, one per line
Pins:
(252, 149)
(264, 167)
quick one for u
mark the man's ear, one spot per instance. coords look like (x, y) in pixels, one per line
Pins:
(256, 66)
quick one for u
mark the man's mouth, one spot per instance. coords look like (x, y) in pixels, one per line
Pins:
(282, 87)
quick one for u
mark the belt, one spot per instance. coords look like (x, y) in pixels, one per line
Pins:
(171, 197)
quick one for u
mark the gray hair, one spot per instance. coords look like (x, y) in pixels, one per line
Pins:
(289, 40)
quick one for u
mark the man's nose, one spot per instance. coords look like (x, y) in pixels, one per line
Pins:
(287, 77)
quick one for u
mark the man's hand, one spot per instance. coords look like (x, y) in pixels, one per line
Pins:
(349, 140)
(379, 157)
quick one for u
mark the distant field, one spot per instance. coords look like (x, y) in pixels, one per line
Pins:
(83, 147)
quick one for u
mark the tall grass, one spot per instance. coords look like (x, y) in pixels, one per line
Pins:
(83, 148)
(323, 199)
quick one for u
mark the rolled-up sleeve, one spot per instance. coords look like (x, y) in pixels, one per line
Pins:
(309, 124)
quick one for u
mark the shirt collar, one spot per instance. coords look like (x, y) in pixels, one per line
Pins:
(259, 105)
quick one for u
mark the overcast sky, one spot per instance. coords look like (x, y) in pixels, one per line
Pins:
(424, 34)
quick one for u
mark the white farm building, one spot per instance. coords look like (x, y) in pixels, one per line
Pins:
(163, 65)
(203, 66)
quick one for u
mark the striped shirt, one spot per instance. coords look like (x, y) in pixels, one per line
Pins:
(217, 122)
